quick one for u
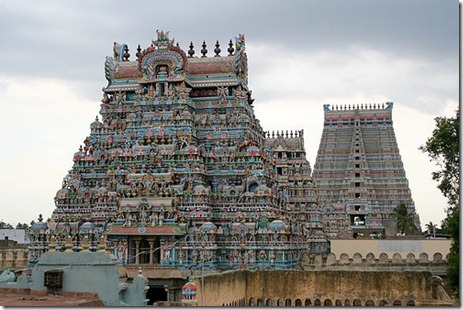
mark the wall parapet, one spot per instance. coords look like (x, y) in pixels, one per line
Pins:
(437, 264)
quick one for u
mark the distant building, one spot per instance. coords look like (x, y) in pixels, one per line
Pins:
(359, 166)
(18, 235)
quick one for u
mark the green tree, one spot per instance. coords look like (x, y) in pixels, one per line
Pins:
(443, 147)
(22, 226)
(405, 219)
(431, 227)
(4, 225)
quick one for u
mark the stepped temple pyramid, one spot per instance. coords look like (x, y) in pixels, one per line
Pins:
(359, 171)
(177, 174)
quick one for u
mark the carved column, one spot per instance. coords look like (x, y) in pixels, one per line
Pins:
(137, 251)
(151, 243)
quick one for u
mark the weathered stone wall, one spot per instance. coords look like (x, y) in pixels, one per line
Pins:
(13, 259)
(223, 288)
(325, 288)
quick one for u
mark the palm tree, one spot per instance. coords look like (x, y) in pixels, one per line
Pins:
(405, 219)
(431, 228)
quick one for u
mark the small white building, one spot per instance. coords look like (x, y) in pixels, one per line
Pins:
(18, 235)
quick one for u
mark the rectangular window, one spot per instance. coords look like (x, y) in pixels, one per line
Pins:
(357, 195)
(357, 175)
(357, 184)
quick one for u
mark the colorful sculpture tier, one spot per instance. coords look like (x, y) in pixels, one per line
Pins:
(180, 173)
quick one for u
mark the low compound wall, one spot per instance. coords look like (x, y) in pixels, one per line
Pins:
(318, 288)
(14, 259)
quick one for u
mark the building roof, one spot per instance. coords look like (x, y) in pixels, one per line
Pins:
(27, 298)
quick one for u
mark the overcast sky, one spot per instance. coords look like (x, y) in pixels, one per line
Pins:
(301, 55)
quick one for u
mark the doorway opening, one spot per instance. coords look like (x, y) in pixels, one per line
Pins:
(156, 294)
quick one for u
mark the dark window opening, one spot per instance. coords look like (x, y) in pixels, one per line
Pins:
(156, 294)
(253, 186)
(162, 89)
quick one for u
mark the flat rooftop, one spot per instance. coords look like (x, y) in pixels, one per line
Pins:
(26, 298)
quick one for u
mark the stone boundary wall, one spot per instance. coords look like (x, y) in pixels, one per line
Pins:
(13, 259)
(222, 287)
(318, 288)
(436, 264)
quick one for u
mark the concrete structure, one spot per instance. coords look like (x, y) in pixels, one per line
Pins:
(86, 273)
(359, 166)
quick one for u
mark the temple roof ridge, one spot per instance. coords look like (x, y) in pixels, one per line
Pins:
(358, 107)
(284, 134)
(123, 73)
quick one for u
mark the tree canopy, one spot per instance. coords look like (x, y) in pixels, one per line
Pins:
(443, 147)
(405, 219)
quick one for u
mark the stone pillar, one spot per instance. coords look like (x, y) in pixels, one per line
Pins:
(137, 251)
(151, 243)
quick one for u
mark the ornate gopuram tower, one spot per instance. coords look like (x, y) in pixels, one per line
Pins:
(293, 172)
(178, 175)
(359, 169)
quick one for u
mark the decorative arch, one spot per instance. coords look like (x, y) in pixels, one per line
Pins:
(410, 303)
(251, 301)
(151, 58)
(260, 302)
(338, 302)
(396, 303)
(280, 302)
(370, 303)
(269, 302)
(307, 302)
(328, 302)
(298, 303)
(253, 186)
(347, 302)
(357, 303)
(288, 302)
(383, 303)
(317, 302)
